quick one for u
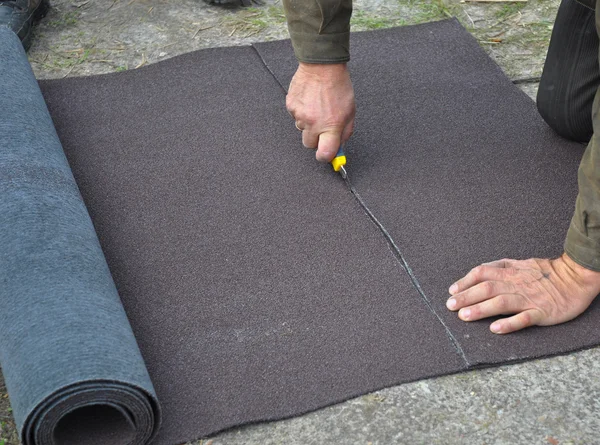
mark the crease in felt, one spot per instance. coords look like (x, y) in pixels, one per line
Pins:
(266, 65)
(391, 243)
(398, 254)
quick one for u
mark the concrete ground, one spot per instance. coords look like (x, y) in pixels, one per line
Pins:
(551, 401)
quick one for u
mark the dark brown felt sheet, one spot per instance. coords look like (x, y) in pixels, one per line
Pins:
(459, 167)
(256, 285)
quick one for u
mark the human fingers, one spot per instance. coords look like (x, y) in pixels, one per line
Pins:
(501, 304)
(310, 138)
(501, 264)
(522, 320)
(329, 144)
(348, 130)
(477, 275)
(478, 293)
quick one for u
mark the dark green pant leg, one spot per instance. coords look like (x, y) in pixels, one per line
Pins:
(589, 3)
(571, 75)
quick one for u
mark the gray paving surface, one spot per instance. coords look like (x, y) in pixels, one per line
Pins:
(551, 401)
(548, 401)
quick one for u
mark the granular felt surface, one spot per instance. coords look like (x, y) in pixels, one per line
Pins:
(459, 167)
(256, 285)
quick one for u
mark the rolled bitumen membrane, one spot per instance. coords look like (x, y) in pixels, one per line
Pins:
(65, 341)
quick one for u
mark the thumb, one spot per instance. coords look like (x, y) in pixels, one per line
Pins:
(329, 144)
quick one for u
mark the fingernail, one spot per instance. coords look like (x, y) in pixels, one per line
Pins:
(465, 313)
(453, 289)
(451, 303)
(495, 327)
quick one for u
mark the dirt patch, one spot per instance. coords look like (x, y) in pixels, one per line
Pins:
(86, 37)
(8, 430)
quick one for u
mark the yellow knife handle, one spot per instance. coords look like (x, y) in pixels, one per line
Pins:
(339, 161)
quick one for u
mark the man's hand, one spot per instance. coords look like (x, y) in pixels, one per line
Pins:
(321, 100)
(540, 292)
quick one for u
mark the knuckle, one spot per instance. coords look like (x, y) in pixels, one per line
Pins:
(531, 262)
(501, 302)
(488, 287)
(333, 127)
(289, 103)
(526, 319)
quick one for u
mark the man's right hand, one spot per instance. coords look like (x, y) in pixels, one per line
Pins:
(321, 100)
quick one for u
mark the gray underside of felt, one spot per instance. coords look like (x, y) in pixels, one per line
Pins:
(459, 167)
(65, 340)
(255, 284)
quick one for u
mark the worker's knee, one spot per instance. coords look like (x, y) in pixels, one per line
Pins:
(569, 116)
(571, 76)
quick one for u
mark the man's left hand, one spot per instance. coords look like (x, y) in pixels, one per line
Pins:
(535, 292)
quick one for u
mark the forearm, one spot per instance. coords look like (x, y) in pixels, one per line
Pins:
(319, 29)
(583, 238)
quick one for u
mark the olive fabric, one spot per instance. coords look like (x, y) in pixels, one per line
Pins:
(583, 237)
(582, 243)
(320, 29)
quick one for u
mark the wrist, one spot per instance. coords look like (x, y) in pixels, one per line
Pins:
(324, 70)
(586, 277)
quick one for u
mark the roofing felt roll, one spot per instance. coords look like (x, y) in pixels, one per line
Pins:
(68, 354)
